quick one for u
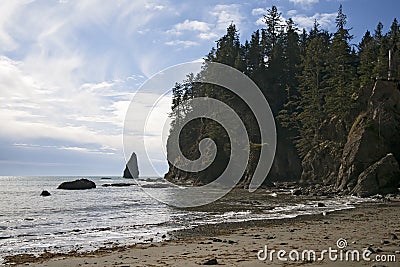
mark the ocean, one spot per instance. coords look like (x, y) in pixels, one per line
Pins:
(86, 220)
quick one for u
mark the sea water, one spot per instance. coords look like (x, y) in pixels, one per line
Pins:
(85, 220)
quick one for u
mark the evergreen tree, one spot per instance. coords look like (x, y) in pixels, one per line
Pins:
(176, 113)
(303, 42)
(273, 22)
(394, 34)
(341, 19)
(273, 41)
(342, 73)
(368, 54)
(291, 56)
(228, 47)
(381, 66)
(312, 89)
(393, 46)
(254, 59)
(315, 31)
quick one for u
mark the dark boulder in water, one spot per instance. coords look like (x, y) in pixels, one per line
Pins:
(80, 184)
(118, 184)
(45, 193)
(131, 169)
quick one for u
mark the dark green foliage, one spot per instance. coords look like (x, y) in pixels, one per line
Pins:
(313, 87)
(341, 67)
(307, 77)
(368, 55)
(394, 47)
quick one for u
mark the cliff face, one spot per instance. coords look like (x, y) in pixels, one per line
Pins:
(321, 163)
(374, 136)
(364, 159)
(131, 168)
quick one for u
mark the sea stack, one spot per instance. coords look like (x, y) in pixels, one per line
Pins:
(131, 169)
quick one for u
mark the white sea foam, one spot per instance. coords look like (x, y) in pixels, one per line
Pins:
(109, 216)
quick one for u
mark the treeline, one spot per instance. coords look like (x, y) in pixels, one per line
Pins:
(308, 77)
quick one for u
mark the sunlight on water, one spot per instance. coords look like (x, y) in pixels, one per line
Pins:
(107, 216)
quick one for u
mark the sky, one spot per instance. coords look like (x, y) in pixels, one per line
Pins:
(69, 69)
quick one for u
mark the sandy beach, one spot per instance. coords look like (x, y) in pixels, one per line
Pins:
(375, 226)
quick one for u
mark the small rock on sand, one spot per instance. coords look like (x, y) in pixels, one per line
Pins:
(211, 262)
(297, 192)
(394, 236)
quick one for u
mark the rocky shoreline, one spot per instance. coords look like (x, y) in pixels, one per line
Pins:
(238, 243)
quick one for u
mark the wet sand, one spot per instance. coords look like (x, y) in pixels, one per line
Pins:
(375, 226)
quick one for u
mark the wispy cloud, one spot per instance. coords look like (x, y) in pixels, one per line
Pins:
(304, 3)
(25, 163)
(189, 25)
(154, 6)
(105, 150)
(291, 12)
(326, 20)
(34, 110)
(69, 69)
(258, 11)
(227, 14)
(218, 20)
(221, 16)
(185, 44)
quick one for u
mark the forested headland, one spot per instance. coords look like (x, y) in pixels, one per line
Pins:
(323, 91)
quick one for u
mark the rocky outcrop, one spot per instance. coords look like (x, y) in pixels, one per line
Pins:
(382, 177)
(131, 168)
(285, 167)
(189, 139)
(374, 134)
(45, 193)
(287, 163)
(356, 160)
(321, 164)
(80, 184)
